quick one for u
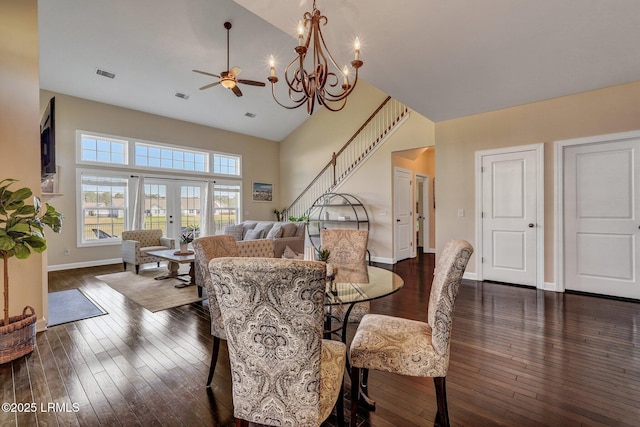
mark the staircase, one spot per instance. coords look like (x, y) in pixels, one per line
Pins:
(371, 135)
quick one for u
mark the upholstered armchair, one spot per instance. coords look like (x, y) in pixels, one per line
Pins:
(409, 347)
(284, 373)
(347, 254)
(205, 249)
(136, 244)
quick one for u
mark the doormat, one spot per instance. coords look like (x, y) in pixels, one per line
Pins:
(70, 306)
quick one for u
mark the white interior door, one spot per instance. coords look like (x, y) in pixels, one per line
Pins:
(601, 191)
(403, 212)
(509, 217)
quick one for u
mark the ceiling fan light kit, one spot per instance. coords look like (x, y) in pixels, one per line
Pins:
(322, 82)
(229, 78)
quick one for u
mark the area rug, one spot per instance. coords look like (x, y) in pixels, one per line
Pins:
(71, 305)
(154, 295)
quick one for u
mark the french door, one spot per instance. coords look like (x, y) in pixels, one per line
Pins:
(173, 206)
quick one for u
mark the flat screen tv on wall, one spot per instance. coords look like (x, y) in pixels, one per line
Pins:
(48, 141)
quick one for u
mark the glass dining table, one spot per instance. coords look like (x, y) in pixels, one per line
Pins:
(382, 283)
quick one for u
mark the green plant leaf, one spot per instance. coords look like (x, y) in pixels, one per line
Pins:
(21, 251)
(6, 243)
(26, 210)
(19, 227)
(19, 196)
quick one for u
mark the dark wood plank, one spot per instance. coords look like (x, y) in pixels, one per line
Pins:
(519, 356)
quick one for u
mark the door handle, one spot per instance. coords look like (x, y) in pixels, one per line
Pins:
(530, 225)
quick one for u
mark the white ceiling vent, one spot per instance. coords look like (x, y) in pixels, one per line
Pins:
(104, 73)
(250, 115)
(182, 95)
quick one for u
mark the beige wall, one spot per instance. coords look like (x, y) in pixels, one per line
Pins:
(259, 162)
(20, 137)
(308, 149)
(604, 111)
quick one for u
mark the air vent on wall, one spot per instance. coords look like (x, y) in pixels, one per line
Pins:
(182, 95)
(104, 73)
(250, 115)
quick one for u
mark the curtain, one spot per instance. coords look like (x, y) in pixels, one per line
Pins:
(137, 222)
(207, 220)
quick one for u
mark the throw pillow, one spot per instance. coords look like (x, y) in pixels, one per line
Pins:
(289, 253)
(275, 232)
(265, 227)
(253, 235)
(234, 230)
(248, 225)
(289, 229)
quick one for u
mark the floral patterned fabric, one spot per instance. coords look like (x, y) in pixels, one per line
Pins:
(283, 373)
(136, 244)
(348, 255)
(205, 249)
(409, 347)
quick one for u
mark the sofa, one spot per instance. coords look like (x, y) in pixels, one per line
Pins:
(282, 234)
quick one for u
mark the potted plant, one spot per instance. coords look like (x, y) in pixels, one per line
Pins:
(187, 237)
(21, 231)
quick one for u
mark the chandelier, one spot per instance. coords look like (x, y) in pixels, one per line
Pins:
(320, 82)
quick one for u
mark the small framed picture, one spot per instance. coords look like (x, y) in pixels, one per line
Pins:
(262, 192)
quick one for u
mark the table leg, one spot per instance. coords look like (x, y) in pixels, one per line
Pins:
(173, 271)
(191, 280)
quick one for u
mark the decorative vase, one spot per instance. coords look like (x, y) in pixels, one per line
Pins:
(184, 248)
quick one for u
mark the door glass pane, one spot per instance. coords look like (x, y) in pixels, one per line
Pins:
(190, 208)
(155, 207)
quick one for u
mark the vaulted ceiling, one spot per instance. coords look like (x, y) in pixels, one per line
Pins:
(444, 58)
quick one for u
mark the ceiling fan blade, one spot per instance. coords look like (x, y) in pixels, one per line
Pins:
(237, 91)
(206, 74)
(251, 82)
(209, 85)
(236, 71)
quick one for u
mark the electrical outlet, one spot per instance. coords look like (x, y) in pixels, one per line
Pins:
(67, 252)
(460, 212)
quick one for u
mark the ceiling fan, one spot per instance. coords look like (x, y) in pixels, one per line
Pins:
(229, 79)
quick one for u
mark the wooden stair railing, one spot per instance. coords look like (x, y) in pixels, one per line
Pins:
(389, 115)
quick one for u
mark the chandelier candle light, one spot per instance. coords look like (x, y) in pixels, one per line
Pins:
(322, 81)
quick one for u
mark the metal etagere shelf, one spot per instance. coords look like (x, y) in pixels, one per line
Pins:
(335, 210)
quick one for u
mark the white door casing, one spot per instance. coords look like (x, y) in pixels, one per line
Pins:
(423, 207)
(403, 213)
(599, 220)
(509, 202)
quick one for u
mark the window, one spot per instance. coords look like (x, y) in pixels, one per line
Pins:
(103, 201)
(226, 164)
(103, 150)
(156, 156)
(95, 148)
(227, 205)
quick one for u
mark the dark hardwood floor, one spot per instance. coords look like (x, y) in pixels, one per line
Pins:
(519, 357)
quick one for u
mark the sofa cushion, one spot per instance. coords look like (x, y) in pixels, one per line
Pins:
(248, 225)
(275, 232)
(265, 227)
(254, 234)
(235, 230)
(289, 229)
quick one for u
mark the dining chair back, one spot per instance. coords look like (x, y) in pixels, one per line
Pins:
(410, 347)
(205, 249)
(283, 372)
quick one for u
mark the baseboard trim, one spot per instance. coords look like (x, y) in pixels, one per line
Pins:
(470, 276)
(84, 264)
(382, 260)
(41, 324)
(550, 286)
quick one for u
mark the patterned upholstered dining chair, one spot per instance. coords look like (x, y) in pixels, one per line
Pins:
(207, 248)
(409, 347)
(284, 373)
(348, 255)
